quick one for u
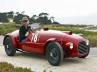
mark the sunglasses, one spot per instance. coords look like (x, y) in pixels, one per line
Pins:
(25, 21)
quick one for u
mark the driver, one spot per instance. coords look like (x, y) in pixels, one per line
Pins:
(23, 31)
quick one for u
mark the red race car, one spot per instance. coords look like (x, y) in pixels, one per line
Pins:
(55, 45)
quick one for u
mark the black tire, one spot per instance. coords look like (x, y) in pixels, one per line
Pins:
(84, 56)
(9, 49)
(54, 53)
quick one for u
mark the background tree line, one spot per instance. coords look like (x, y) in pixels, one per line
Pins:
(42, 18)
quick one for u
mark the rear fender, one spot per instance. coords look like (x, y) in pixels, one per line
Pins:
(5, 38)
(12, 39)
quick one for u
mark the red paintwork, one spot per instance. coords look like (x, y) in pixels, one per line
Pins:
(43, 37)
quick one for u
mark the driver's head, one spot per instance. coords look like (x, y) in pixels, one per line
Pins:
(25, 21)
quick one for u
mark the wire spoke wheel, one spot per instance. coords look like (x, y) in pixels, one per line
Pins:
(54, 53)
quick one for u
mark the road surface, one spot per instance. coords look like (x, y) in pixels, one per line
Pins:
(38, 63)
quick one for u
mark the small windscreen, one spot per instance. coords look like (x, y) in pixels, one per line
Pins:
(35, 26)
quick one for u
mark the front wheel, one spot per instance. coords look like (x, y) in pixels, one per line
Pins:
(54, 53)
(9, 49)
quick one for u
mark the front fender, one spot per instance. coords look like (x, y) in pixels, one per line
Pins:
(47, 42)
(50, 40)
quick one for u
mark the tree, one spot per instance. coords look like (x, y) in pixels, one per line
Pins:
(10, 14)
(43, 18)
(3, 17)
(18, 17)
(33, 19)
(53, 20)
(43, 14)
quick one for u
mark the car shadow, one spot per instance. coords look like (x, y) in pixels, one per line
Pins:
(30, 55)
(66, 61)
(74, 60)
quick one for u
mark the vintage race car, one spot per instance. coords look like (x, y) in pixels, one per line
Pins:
(55, 45)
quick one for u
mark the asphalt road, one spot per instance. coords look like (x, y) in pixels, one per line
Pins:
(38, 63)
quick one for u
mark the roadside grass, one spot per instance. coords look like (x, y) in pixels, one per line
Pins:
(78, 29)
(6, 28)
(7, 67)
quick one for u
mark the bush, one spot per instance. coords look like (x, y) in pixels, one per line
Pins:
(20, 69)
(7, 67)
(6, 28)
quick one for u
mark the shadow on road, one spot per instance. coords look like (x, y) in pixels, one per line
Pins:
(66, 61)
(29, 55)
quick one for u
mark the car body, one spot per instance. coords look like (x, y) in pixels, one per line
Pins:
(67, 43)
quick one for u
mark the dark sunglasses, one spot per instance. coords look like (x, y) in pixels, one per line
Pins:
(25, 21)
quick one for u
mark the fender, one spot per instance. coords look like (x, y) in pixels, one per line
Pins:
(5, 38)
(48, 41)
(7, 35)
(12, 39)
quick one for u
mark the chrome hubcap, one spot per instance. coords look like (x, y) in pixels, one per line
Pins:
(51, 54)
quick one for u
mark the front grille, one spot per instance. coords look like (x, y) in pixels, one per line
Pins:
(82, 47)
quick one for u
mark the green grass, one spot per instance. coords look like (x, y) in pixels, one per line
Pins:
(92, 36)
(6, 28)
(7, 67)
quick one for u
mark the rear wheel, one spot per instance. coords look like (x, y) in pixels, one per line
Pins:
(9, 49)
(54, 53)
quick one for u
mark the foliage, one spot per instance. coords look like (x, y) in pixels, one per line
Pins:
(3, 17)
(42, 18)
(6, 28)
(17, 19)
(7, 67)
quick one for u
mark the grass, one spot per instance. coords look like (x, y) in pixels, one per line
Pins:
(92, 36)
(6, 28)
(7, 67)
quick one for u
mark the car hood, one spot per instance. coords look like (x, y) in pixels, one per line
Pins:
(66, 36)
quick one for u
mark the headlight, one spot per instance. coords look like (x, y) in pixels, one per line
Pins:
(87, 42)
(71, 45)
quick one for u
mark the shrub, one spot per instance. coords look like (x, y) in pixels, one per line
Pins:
(6, 28)
(7, 67)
